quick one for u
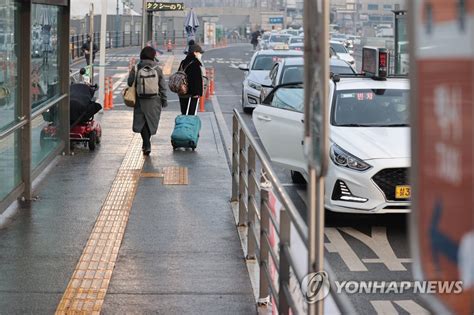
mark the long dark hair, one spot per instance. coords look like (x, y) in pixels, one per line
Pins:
(148, 53)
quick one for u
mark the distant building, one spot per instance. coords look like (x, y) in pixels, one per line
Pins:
(357, 14)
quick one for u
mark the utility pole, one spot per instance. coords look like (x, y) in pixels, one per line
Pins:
(144, 21)
(91, 46)
(316, 50)
(117, 27)
(103, 30)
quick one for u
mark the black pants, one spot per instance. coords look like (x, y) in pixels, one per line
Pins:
(146, 135)
(183, 102)
(88, 59)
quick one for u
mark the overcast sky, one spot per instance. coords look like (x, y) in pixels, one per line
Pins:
(81, 7)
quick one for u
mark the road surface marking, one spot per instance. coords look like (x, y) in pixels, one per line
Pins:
(337, 244)
(380, 245)
(85, 293)
(387, 307)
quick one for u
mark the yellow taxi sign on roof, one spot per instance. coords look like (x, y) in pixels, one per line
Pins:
(281, 47)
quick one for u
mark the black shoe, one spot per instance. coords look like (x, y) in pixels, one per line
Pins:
(146, 152)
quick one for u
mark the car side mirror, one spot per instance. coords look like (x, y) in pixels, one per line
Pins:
(244, 67)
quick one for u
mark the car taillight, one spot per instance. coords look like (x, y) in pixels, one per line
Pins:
(383, 64)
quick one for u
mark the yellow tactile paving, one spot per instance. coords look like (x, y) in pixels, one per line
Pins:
(175, 175)
(88, 285)
(167, 68)
(152, 175)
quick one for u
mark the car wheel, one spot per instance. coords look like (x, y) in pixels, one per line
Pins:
(297, 178)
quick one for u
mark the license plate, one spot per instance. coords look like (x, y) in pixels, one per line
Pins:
(402, 192)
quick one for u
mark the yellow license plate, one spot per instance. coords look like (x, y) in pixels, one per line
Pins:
(402, 192)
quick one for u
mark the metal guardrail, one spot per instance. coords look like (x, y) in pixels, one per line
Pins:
(252, 194)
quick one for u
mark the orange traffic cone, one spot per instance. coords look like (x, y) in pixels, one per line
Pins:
(111, 93)
(106, 95)
(202, 102)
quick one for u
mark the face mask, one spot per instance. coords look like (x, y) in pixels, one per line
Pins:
(199, 56)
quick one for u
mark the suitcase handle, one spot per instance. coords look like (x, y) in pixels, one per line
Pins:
(189, 105)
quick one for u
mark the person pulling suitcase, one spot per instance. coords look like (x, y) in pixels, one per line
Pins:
(188, 83)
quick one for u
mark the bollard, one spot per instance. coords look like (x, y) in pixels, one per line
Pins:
(111, 93)
(212, 81)
(106, 95)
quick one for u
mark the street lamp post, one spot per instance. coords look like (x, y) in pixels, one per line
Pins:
(117, 22)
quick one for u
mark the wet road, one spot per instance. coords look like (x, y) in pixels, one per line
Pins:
(358, 247)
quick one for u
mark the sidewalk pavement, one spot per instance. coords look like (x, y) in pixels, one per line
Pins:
(179, 253)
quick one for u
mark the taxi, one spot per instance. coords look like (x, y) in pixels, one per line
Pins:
(369, 137)
(257, 73)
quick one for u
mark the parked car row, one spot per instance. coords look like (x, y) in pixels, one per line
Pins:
(369, 129)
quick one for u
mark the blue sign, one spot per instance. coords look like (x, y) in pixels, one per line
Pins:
(276, 20)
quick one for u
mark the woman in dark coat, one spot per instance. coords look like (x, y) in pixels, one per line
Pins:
(192, 66)
(147, 112)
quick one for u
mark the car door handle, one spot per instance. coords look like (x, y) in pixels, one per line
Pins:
(265, 118)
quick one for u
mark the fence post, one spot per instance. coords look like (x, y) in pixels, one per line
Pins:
(242, 188)
(123, 39)
(251, 238)
(284, 276)
(264, 289)
(235, 160)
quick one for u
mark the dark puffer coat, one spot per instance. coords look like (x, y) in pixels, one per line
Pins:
(192, 66)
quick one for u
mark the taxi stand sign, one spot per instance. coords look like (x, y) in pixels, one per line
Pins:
(375, 62)
(164, 6)
(442, 219)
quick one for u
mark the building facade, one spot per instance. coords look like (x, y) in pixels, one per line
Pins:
(355, 15)
(34, 87)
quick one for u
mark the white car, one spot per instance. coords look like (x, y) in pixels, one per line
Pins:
(369, 141)
(342, 52)
(278, 39)
(257, 74)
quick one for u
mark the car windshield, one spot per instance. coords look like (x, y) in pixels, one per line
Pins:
(371, 108)
(294, 40)
(339, 48)
(292, 74)
(279, 38)
(290, 98)
(266, 62)
(341, 70)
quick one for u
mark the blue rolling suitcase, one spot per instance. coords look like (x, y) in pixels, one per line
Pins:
(186, 130)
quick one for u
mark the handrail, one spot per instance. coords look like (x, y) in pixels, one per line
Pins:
(5, 133)
(286, 201)
(272, 248)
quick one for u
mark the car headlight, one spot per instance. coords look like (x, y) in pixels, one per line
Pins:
(255, 85)
(345, 159)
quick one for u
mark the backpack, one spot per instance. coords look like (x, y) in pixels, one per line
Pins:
(178, 81)
(147, 82)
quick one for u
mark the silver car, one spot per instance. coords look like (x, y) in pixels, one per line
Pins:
(257, 74)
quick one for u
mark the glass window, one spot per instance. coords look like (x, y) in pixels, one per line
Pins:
(44, 54)
(387, 7)
(9, 105)
(339, 48)
(44, 135)
(279, 38)
(372, 6)
(292, 74)
(267, 62)
(371, 108)
(290, 98)
(10, 168)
